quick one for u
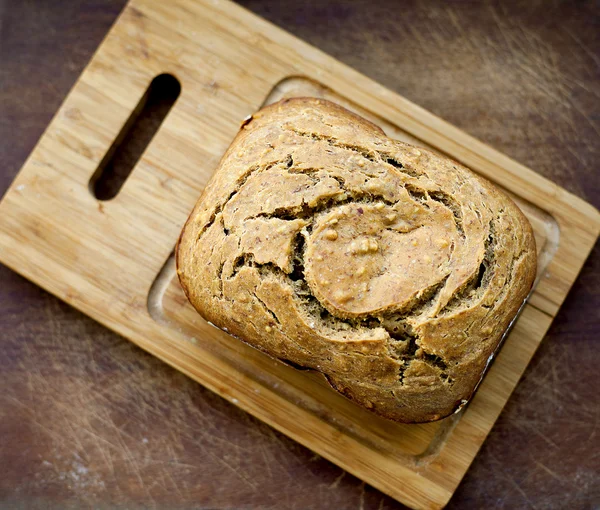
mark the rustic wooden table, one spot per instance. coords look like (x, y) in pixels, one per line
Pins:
(87, 419)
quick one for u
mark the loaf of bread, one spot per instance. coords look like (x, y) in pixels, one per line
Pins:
(388, 268)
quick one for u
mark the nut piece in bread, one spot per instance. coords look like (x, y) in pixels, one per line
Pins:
(390, 269)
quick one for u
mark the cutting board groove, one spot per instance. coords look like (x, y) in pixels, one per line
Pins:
(112, 259)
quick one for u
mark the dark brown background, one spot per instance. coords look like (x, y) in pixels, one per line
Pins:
(88, 419)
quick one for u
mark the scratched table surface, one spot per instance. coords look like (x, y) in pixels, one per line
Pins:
(87, 419)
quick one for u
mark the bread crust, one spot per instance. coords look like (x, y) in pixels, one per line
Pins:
(392, 270)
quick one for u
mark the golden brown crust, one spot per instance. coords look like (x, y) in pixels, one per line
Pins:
(390, 269)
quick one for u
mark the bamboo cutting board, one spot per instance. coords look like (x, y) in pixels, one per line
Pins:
(113, 259)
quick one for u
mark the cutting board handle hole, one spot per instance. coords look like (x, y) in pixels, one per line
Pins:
(136, 135)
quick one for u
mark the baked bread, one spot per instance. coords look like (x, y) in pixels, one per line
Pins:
(390, 269)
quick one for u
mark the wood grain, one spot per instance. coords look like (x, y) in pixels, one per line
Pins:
(42, 188)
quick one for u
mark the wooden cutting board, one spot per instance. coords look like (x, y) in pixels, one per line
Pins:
(113, 259)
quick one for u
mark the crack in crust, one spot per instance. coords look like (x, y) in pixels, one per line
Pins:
(390, 269)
